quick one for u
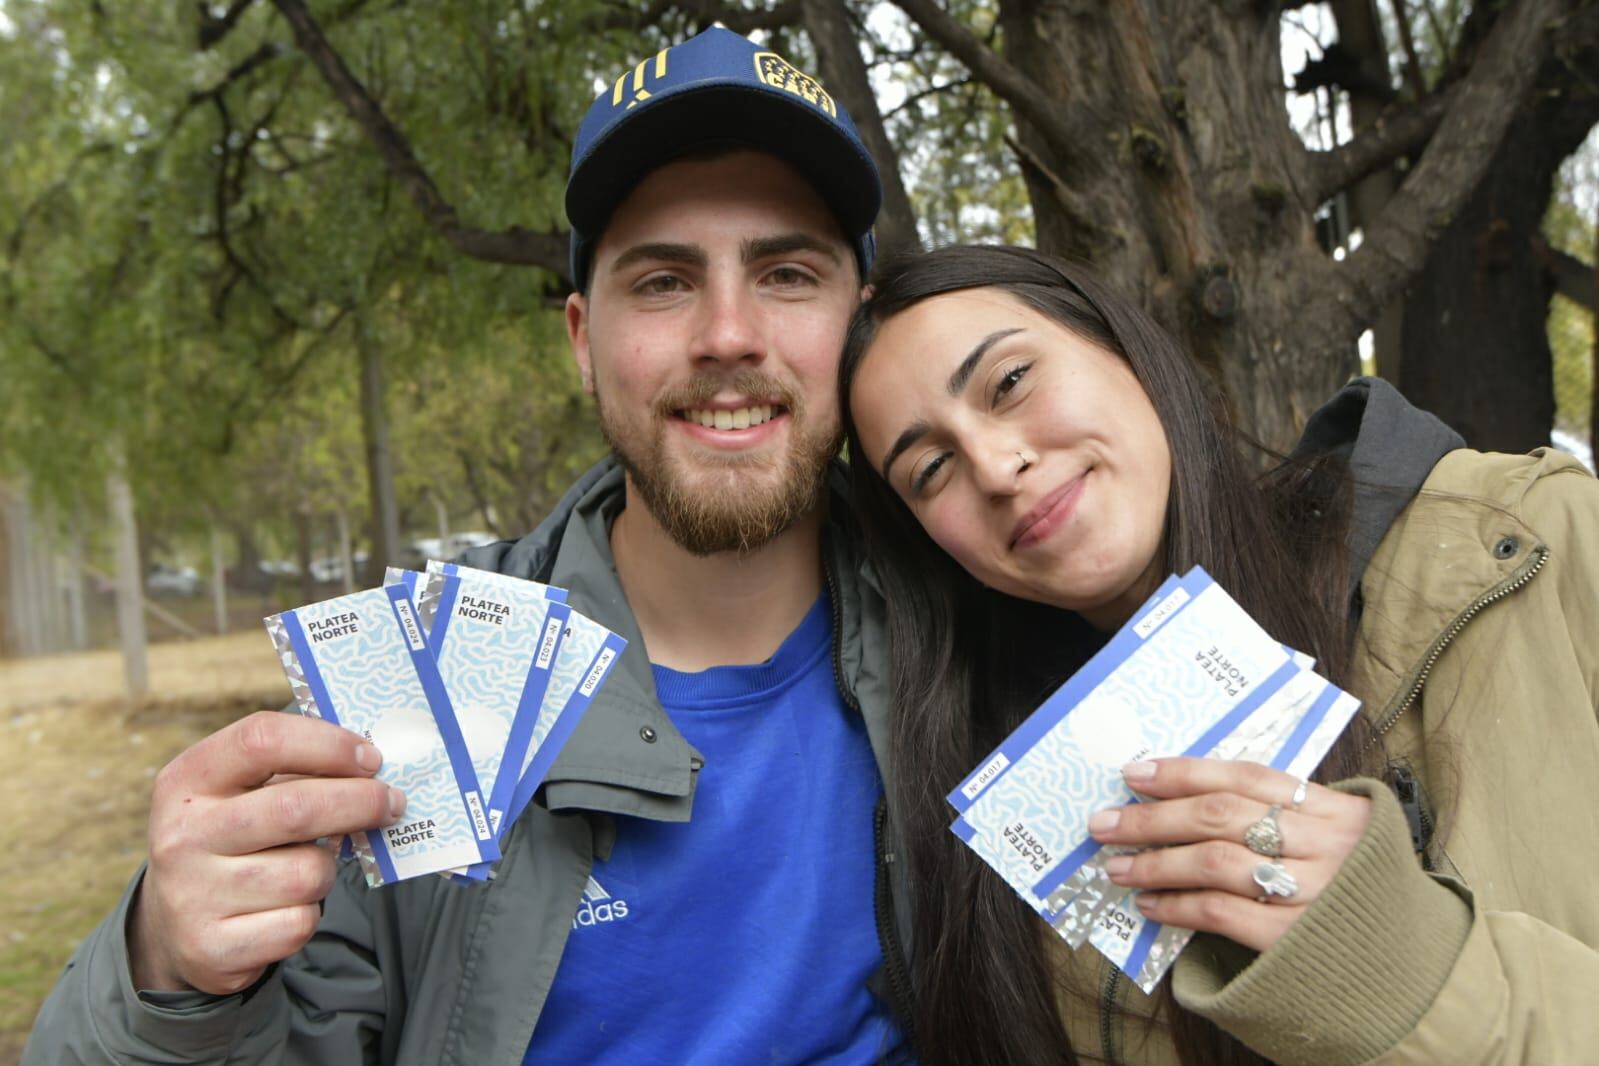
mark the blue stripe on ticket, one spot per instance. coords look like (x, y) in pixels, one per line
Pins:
(313, 675)
(454, 744)
(1141, 946)
(593, 675)
(1307, 725)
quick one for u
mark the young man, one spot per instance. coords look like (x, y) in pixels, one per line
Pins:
(705, 877)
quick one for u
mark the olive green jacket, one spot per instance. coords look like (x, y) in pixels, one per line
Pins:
(1478, 654)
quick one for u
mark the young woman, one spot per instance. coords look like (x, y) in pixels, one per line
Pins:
(1031, 456)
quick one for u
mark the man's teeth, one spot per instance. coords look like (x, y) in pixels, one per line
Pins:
(741, 418)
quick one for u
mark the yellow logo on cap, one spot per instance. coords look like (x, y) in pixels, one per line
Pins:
(779, 73)
(640, 94)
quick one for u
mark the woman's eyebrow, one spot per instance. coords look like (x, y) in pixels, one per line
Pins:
(957, 383)
(963, 373)
(913, 433)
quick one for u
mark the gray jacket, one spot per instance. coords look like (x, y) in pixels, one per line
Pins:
(427, 971)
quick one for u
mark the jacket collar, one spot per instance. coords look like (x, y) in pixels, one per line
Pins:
(1458, 546)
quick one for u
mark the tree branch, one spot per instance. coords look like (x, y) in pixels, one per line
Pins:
(1574, 279)
(738, 19)
(515, 245)
(1407, 42)
(1484, 102)
(212, 27)
(932, 90)
(1403, 132)
(741, 20)
(1049, 117)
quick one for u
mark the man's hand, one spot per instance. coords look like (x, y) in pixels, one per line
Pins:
(236, 880)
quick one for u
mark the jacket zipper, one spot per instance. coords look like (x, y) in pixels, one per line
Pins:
(1540, 555)
(899, 984)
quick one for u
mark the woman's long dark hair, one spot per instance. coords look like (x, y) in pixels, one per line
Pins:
(968, 664)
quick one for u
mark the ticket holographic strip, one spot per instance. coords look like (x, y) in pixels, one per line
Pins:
(362, 662)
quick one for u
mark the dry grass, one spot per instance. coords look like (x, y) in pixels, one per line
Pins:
(75, 768)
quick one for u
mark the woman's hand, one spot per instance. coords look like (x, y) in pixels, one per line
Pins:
(1203, 878)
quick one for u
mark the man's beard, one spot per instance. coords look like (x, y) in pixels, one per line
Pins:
(730, 506)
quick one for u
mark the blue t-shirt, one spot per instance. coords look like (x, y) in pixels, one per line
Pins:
(748, 933)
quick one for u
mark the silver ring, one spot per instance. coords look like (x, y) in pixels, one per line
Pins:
(1275, 880)
(1301, 790)
(1265, 837)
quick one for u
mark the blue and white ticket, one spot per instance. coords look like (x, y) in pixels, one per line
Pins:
(363, 662)
(587, 653)
(584, 654)
(1063, 765)
(495, 642)
(1185, 672)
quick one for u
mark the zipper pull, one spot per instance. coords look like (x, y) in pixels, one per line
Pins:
(1413, 801)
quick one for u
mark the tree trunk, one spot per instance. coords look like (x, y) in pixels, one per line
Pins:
(379, 457)
(303, 552)
(442, 513)
(346, 557)
(219, 581)
(24, 575)
(1185, 188)
(1155, 141)
(77, 612)
(1360, 33)
(1476, 323)
(19, 609)
(838, 53)
(130, 589)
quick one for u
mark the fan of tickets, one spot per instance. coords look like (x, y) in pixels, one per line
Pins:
(468, 682)
(1190, 674)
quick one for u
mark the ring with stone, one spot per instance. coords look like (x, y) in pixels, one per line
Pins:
(1301, 790)
(1275, 880)
(1265, 837)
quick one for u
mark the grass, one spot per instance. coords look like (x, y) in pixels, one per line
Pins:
(76, 762)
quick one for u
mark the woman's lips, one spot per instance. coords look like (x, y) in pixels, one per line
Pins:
(1048, 515)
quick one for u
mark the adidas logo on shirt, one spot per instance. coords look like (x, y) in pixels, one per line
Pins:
(597, 906)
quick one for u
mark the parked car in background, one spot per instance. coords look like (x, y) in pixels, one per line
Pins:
(414, 556)
(331, 570)
(164, 580)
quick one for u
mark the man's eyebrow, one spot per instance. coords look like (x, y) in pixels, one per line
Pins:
(757, 248)
(913, 433)
(963, 373)
(660, 251)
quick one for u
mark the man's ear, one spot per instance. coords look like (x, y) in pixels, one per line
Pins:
(577, 334)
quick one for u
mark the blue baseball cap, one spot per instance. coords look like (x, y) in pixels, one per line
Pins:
(716, 87)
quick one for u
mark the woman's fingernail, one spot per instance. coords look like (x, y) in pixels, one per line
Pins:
(396, 802)
(1146, 902)
(1117, 865)
(367, 757)
(1142, 770)
(1104, 821)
